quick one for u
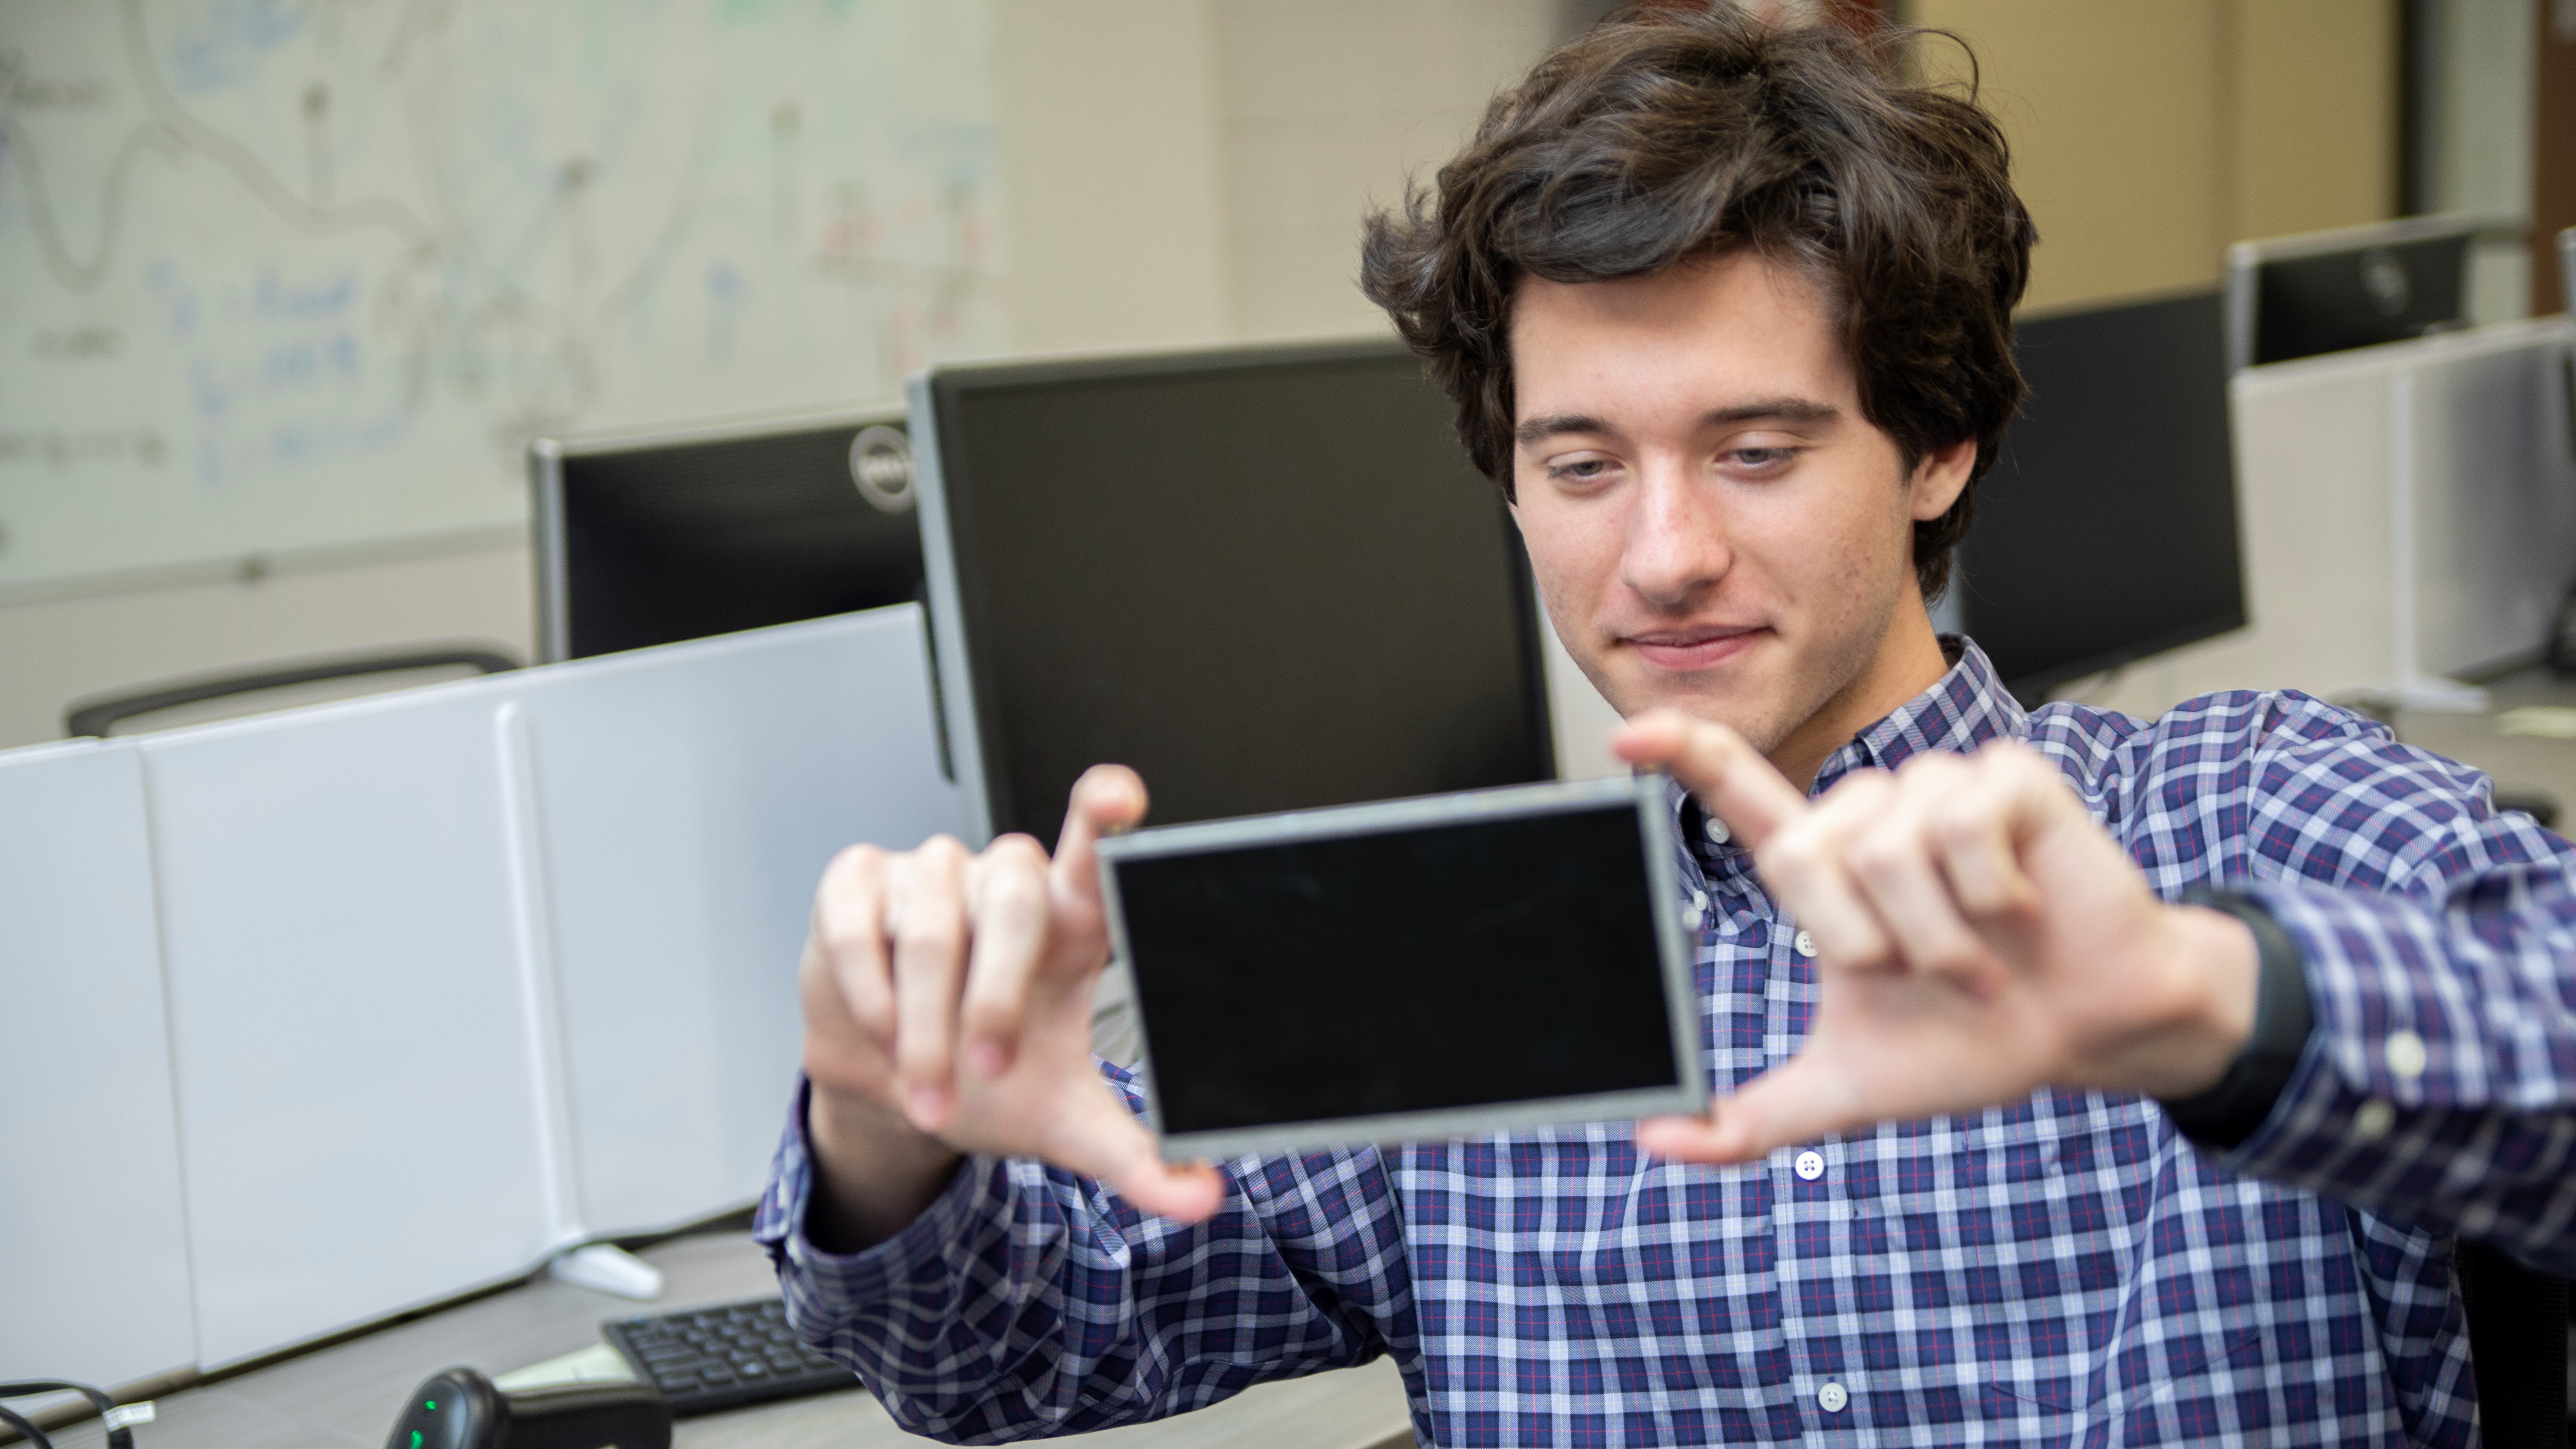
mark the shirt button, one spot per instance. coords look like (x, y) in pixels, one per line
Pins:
(2406, 1055)
(2373, 1120)
(1833, 1398)
(1806, 943)
(1811, 1165)
(1718, 834)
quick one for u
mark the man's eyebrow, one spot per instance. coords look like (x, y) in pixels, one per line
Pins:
(1760, 410)
(1537, 430)
(1773, 410)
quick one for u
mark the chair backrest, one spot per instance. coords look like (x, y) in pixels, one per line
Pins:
(2518, 1319)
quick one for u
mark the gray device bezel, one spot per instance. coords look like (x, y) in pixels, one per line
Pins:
(1657, 833)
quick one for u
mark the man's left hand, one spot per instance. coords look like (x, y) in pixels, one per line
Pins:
(1978, 936)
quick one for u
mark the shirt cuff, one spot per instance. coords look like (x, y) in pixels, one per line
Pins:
(825, 1289)
(2362, 1114)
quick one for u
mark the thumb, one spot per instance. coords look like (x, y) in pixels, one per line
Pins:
(1798, 1101)
(1100, 1139)
(1718, 766)
(1107, 800)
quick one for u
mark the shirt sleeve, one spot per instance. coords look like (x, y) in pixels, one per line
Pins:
(2437, 941)
(1028, 1301)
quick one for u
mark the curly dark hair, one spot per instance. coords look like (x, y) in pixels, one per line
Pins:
(1670, 134)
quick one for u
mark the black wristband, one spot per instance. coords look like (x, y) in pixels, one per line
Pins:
(2230, 1109)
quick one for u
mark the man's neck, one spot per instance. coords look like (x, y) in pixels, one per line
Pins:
(1909, 661)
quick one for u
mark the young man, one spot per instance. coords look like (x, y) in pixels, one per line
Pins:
(2011, 1145)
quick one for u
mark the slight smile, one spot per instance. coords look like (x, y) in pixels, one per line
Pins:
(1704, 647)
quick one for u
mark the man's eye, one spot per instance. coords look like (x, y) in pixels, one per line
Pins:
(1581, 471)
(1760, 457)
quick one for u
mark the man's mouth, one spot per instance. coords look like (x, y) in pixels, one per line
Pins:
(1699, 647)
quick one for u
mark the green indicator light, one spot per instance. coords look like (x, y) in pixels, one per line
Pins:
(415, 1439)
(433, 1405)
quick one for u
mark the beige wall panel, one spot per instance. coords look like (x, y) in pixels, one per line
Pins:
(1327, 106)
(1109, 173)
(2313, 97)
(2113, 115)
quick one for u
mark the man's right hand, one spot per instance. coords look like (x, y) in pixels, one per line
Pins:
(948, 1010)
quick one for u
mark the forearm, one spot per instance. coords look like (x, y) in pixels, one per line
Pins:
(2439, 1087)
(873, 1172)
(1022, 1299)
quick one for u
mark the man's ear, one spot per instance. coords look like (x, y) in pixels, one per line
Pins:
(1940, 477)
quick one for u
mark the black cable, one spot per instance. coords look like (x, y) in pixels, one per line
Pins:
(26, 1427)
(119, 1437)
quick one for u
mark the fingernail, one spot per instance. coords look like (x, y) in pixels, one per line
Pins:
(928, 1106)
(987, 1058)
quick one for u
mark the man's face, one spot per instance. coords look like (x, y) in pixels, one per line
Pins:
(1713, 523)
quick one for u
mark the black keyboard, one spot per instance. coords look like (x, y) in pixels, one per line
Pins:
(724, 1355)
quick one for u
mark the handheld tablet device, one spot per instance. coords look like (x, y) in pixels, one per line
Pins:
(1415, 968)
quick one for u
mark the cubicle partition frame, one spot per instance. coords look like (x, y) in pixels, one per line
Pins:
(548, 525)
(963, 683)
(386, 1000)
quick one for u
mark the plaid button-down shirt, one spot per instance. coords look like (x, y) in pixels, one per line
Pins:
(2067, 1270)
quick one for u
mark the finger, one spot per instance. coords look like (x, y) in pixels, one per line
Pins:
(1799, 1101)
(1101, 1139)
(928, 905)
(1719, 767)
(1805, 864)
(2016, 796)
(1896, 864)
(1107, 800)
(849, 939)
(1006, 898)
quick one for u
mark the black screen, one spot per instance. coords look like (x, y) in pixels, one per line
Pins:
(1413, 971)
(1266, 583)
(2107, 528)
(686, 541)
(2359, 298)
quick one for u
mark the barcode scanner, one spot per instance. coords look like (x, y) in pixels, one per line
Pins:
(461, 1408)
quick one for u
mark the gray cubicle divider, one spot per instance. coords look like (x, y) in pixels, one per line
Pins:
(2409, 516)
(93, 1246)
(686, 816)
(453, 978)
(358, 1112)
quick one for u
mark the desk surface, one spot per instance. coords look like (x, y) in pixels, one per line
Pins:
(2518, 762)
(345, 1397)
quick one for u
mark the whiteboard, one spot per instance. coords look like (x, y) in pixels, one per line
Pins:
(280, 276)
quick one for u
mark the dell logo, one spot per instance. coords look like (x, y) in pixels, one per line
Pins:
(881, 464)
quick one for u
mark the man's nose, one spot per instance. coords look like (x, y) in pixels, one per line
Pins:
(1677, 543)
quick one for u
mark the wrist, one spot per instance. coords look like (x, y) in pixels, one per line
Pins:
(2223, 1113)
(874, 1171)
(2215, 957)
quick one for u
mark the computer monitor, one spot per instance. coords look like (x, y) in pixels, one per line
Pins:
(1267, 579)
(2298, 296)
(2106, 530)
(652, 538)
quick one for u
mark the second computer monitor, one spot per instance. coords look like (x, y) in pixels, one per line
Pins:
(653, 538)
(1267, 579)
(2299, 296)
(2107, 528)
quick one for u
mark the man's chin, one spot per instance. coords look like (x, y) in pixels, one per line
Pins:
(1750, 712)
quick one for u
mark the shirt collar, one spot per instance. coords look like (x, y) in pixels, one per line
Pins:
(1966, 708)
